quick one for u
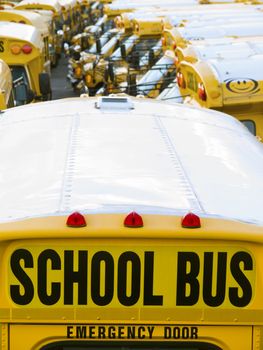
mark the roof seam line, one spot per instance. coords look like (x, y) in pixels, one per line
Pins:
(177, 164)
(66, 190)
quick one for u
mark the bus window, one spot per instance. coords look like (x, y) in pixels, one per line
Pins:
(145, 346)
(250, 124)
(19, 72)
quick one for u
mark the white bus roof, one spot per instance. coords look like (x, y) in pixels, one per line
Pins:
(238, 29)
(36, 19)
(240, 68)
(20, 31)
(232, 49)
(206, 13)
(68, 3)
(35, 3)
(152, 157)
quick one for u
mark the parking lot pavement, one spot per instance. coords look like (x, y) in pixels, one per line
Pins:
(61, 87)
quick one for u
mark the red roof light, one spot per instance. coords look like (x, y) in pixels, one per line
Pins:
(133, 220)
(191, 220)
(76, 220)
(27, 49)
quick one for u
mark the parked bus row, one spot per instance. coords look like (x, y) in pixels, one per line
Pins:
(132, 223)
(32, 34)
(141, 49)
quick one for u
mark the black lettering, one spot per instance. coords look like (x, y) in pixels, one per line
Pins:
(101, 332)
(241, 279)
(176, 333)
(70, 332)
(219, 296)
(96, 277)
(149, 298)
(43, 258)
(121, 333)
(2, 49)
(150, 330)
(131, 332)
(92, 332)
(185, 332)
(185, 278)
(135, 278)
(80, 277)
(81, 332)
(17, 295)
(167, 332)
(194, 332)
(112, 332)
(180, 332)
(141, 331)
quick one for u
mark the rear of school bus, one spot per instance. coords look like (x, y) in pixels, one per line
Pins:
(232, 86)
(114, 240)
(45, 8)
(22, 48)
(36, 20)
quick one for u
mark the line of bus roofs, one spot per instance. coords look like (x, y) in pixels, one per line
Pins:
(204, 53)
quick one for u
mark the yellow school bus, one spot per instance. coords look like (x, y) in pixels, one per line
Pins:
(232, 86)
(124, 49)
(44, 7)
(36, 20)
(6, 87)
(129, 224)
(219, 48)
(157, 78)
(71, 18)
(247, 22)
(21, 47)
